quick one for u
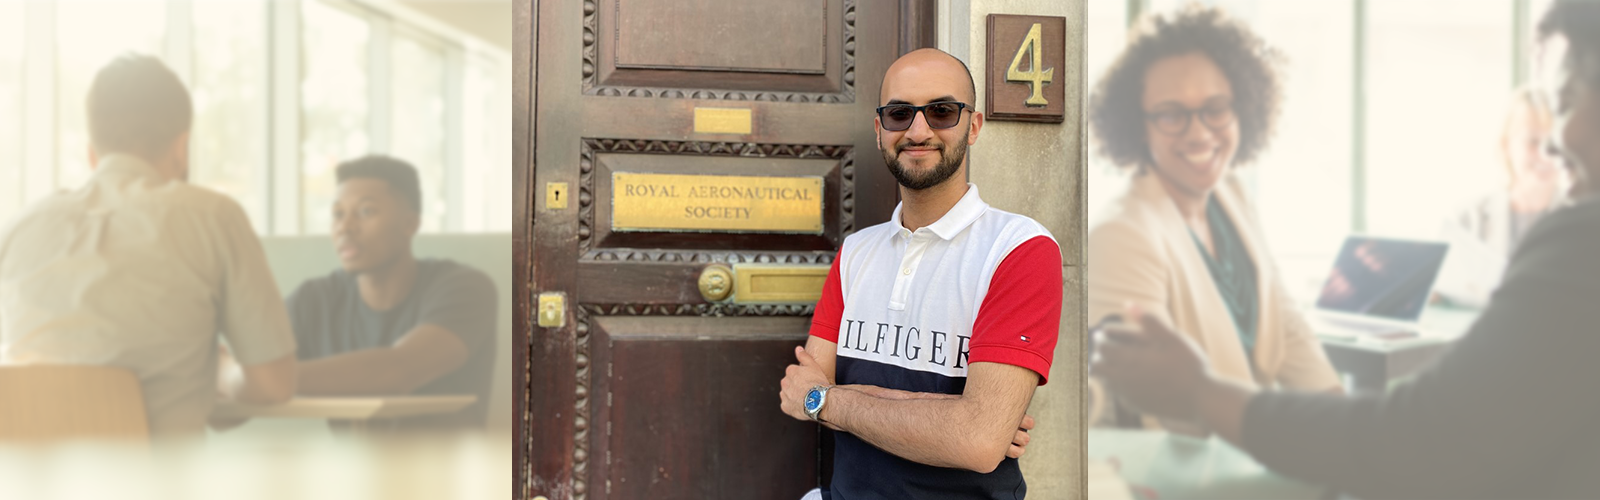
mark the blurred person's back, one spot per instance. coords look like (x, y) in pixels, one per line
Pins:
(137, 268)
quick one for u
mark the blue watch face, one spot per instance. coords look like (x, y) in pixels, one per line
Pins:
(813, 400)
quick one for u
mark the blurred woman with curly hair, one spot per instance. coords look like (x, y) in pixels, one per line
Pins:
(1193, 97)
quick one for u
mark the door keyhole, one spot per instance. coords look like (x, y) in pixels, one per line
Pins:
(552, 195)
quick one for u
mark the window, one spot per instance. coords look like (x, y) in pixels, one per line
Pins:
(12, 17)
(486, 163)
(333, 95)
(1439, 75)
(1302, 183)
(1530, 35)
(1108, 21)
(417, 120)
(367, 78)
(90, 34)
(230, 138)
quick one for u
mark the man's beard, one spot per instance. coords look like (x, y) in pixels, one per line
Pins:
(949, 162)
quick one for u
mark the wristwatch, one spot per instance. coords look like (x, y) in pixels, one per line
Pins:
(814, 401)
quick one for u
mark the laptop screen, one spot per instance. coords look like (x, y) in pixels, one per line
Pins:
(1383, 278)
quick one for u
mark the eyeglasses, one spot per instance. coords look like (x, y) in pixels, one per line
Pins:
(1175, 121)
(940, 115)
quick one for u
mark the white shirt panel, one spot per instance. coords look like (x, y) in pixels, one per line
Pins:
(911, 298)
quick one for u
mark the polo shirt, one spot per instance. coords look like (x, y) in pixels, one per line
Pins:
(912, 310)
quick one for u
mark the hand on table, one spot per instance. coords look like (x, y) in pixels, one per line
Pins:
(227, 368)
(228, 371)
(1151, 367)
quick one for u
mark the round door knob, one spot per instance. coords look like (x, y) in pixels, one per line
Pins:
(716, 283)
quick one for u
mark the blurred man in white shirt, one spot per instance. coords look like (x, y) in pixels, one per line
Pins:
(140, 270)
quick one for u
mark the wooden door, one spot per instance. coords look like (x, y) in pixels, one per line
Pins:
(654, 386)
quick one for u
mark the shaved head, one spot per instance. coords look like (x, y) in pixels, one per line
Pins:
(934, 66)
(919, 156)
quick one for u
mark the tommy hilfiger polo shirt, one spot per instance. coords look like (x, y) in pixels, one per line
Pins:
(912, 310)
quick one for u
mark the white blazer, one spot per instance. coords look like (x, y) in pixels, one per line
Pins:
(1142, 252)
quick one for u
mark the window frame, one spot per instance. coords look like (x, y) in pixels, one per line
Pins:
(280, 177)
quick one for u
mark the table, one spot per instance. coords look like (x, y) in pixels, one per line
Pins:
(356, 411)
(1173, 466)
(465, 466)
(1372, 364)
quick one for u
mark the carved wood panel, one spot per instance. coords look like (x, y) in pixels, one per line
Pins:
(738, 78)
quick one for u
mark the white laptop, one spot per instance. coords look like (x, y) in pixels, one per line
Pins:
(1378, 288)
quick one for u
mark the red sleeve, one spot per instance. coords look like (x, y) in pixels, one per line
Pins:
(830, 308)
(1021, 315)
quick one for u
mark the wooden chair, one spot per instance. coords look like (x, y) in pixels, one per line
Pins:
(54, 403)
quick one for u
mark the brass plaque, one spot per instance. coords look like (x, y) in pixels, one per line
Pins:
(722, 121)
(1026, 72)
(555, 195)
(715, 203)
(778, 283)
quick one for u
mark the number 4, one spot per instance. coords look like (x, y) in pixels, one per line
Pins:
(1035, 78)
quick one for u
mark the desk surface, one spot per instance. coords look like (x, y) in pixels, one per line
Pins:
(1439, 325)
(394, 468)
(357, 408)
(1374, 364)
(1182, 467)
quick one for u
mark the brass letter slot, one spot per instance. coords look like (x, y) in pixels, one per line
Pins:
(778, 283)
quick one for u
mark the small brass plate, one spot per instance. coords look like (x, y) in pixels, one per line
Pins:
(722, 121)
(552, 310)
(555, 195)
(778, 283)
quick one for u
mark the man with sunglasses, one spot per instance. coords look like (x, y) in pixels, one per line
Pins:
(936, 326)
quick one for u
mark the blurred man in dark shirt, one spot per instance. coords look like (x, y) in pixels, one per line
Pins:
(387, 323)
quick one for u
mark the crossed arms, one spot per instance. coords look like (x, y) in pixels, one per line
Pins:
(974, 430)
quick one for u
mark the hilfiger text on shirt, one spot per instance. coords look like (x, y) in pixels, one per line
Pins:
(911, 346)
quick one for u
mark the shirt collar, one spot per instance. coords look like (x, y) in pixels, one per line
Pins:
(118, 164)
(963, 214)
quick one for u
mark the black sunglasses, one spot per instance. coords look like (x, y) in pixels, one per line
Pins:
(940, 115)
